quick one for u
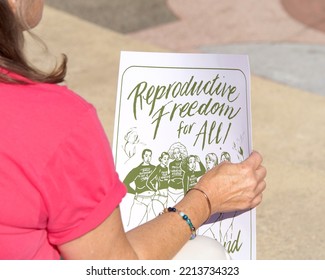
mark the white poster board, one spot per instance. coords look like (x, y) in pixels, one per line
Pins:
(176, 116)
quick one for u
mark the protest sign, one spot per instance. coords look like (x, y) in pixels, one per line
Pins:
(177, 116)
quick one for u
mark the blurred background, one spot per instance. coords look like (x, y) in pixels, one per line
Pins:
(285, 41)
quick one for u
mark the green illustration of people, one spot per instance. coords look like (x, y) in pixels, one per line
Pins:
(159, 181)
(136, 183)
(211, 160)
(177, 153)
(216, 228)
(225, 156)
(191, 174)
(226, 234)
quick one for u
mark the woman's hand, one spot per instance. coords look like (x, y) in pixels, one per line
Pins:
(232, 187)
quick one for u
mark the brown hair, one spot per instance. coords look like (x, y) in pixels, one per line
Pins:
(12, 57)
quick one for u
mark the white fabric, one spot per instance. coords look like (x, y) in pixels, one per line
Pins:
(202, 248)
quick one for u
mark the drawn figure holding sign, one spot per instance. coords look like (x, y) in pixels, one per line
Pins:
(136, 183)
(217, 224)
(211, 160)
(225, 156)
(191, 174)
(158, 181)
(178, 153)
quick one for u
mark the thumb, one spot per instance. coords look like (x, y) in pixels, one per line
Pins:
(254, 160)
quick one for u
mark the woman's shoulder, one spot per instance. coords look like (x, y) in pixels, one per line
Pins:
(40, 107)
(38, 97)
(43, 117)
(60, 95)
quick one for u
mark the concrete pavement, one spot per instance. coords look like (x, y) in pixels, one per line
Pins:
(285, 42)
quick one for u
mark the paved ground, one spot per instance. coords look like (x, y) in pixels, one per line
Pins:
(122, 16)
(285, 41)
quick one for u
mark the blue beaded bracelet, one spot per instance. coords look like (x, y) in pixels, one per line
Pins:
(184, 217)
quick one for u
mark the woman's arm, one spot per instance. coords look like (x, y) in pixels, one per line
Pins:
(230, 187)
(160, 238)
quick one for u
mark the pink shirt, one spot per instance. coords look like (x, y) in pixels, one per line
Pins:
(57, 176)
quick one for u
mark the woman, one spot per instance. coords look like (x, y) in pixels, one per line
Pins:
(191, 172)
(177, 153)
(158, 181)
(211, 160)
(59, 191)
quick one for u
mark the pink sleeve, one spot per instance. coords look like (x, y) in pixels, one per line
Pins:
(80, 186)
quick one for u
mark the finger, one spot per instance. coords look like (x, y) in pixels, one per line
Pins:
(254, 160)
(261, 173)
(257, 200)
(259, 194)
(261, 187)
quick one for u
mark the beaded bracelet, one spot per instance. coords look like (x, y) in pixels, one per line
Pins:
(185, 218)
(206, 197)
